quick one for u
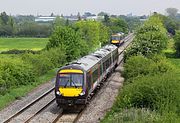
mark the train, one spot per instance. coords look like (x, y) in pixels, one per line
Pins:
(76, 81)
(117, 38)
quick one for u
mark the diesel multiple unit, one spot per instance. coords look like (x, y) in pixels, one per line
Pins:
(76, 81)
(117, 39)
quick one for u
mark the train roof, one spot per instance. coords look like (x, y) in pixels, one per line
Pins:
(90, 60)
(118, 34)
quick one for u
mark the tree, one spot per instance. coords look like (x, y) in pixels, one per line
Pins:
(94, 33)
(79, 16)
(118, 25)
(59, 21)
(172, 12)
(102, 14)
(52, 14)
(106, 20)
(69, 39)
(151, 38)
(169, 23)
(4, 18)
(177, 43)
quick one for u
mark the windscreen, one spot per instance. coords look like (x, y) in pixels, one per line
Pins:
(115, 38)
(70, 80)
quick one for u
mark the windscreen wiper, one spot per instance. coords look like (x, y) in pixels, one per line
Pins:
(74, 84)
(66, 83)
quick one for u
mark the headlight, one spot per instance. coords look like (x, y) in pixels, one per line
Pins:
(82, 93)
(58, 93)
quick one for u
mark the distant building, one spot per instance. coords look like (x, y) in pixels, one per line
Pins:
(44, 19)
(95, 18)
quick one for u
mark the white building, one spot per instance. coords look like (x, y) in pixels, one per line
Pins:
(44, 19)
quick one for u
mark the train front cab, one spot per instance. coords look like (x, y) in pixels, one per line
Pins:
(117, 39)
(69, 88)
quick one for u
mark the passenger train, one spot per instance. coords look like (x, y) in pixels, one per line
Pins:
(117, 39)
(76, 81)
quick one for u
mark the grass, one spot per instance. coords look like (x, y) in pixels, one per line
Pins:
(21, 91)
(22, 43)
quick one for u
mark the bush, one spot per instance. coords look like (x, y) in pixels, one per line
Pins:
(160, 92)
(46, 60)
(137, 66)
(13, 73)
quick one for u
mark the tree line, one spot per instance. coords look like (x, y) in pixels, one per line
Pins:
(25, 26)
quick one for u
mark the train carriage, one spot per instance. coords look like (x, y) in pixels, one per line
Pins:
(76, 81)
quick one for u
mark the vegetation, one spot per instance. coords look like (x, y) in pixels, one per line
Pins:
(177, 43)
(152, 86)
(116, 24)
(150, 39)
(13, 73)
(22, 90)
(22, 43)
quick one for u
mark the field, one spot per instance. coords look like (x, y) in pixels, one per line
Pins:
(22, 43)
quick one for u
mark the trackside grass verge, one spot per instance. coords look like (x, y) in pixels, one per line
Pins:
(20, 91)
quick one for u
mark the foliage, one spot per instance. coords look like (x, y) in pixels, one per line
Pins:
(159, 92)
(22, 90)
(32, 29)
(172, 12)
(118, 25)
(69, 39)
(169, 23)
(137, 66)
(151, 38)
(93, 33)
(133, 22)
(59, 22)
(177, 43)
(13, 73)
(46, 60)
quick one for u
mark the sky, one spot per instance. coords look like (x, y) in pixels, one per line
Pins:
(67, 7)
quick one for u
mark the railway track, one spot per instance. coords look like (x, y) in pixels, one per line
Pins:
(13, 118)
(73, 117)
(26, 115)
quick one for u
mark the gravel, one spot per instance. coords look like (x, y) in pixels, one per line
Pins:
(19, 104)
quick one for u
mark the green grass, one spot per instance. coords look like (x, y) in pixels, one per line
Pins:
(17, 93)
(22, 43)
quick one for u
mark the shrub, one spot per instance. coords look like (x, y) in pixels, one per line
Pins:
(140, 66)
(160, 92)
(15, 72)
(46, 60)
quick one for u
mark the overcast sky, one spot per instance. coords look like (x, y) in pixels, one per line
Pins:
(66, 7)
